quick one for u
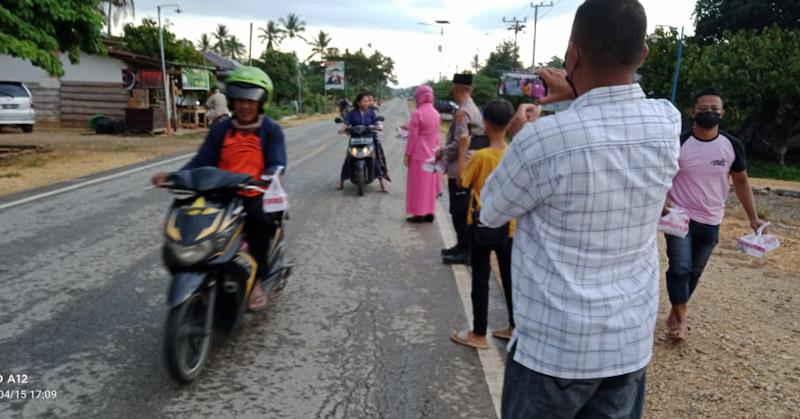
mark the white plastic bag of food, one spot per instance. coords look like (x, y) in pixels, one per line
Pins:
(758, 244)
(675, 223)
(434, 166)
(275, 198)
(401, 133)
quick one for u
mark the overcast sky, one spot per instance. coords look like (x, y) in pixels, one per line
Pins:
(392, 27)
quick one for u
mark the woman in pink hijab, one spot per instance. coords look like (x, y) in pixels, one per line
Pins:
(422, 187)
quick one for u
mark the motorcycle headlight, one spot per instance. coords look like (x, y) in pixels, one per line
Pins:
(354, 151)
(190, 255)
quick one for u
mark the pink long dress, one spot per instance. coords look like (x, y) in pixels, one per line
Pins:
(422, 187)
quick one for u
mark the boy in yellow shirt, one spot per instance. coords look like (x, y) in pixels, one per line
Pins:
(473, 174)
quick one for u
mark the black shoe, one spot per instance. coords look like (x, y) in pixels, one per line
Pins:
(429, 218)
(451, 250)
(460, 258)
(416, 219)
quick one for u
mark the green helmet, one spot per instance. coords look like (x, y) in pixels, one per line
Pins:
(249, 83)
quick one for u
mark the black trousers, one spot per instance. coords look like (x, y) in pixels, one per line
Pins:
(259, 227)
(459, 206)
(481, 271)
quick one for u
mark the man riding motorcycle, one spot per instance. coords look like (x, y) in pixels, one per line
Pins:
(248, 143)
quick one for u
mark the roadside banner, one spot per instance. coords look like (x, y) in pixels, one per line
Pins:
(194, 79)
(334, 75)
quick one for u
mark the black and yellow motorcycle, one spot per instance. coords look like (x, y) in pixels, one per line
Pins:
(212, 272)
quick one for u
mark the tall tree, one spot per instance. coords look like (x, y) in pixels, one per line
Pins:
(235, 48)
(505, 57)
(319, 46)
(555, 62)
(204, 43)
(117, 9)
(37, 30)
(761, 98)
(293, 26)
(221, 37)
(282, 69)
(144, 40)
(272, 34)
(714, 17)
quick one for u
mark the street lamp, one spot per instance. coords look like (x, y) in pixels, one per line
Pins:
(440, 24)
(167, 102)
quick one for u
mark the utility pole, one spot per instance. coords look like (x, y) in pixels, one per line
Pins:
(250, 48)
(167, 82)
(535, 21)
(517, 26)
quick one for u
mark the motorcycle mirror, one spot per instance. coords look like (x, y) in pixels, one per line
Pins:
(338, 120)
(380, 118)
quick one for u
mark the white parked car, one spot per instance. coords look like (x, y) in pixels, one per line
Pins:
(16, 105)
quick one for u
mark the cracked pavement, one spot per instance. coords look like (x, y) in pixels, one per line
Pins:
(361, 331)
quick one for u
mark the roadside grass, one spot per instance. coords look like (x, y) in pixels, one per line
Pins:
(770, 170)
(10, 175)
(35, 162)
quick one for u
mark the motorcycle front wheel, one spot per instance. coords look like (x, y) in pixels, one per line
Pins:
(362, 174)
(186, 343)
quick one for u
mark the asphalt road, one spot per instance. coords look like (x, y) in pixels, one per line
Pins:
(361, 330)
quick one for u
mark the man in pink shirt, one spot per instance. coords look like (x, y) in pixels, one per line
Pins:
(709, 159)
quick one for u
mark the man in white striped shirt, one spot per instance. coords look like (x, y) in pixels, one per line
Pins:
(587, 187)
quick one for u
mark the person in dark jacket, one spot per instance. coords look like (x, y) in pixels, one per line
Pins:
(362, 115)
(252, 144)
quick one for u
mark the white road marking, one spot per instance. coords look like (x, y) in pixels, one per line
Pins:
(491, 362)
(36, 197)
(310, 155)
(92, 182)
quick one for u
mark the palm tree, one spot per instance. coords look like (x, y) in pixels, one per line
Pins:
(235, 48)
(221, 35)
(293, 26)
(319, 46)
(273, 34)
(332, 52)
(476, 63)
(204, 44)
(118, 9)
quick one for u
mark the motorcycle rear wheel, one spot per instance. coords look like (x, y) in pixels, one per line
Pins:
(187, 345)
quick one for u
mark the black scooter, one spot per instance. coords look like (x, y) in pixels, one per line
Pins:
(361, 149)
(212, 272)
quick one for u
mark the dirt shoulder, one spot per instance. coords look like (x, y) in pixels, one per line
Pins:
(742, 358)
(65, 153)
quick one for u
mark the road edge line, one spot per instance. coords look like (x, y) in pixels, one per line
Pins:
(93, 181)
(491, 363)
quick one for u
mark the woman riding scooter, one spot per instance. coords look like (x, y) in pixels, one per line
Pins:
(248, 143)
(362, 115)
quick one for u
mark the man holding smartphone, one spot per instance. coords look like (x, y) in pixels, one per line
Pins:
(468, 118)
(587, 186)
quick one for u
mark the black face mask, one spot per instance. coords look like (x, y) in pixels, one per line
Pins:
(708, 119)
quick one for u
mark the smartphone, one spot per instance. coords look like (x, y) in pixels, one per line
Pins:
(523, 85)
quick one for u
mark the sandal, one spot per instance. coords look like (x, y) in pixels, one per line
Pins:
(258, 299)
(462, 337)
(504, 334)
(677, 332)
